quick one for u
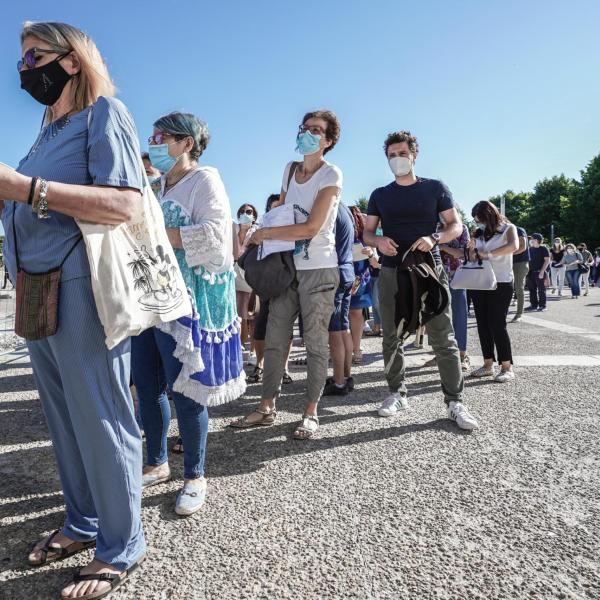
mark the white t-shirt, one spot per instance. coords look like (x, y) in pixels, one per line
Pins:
(501, 265)
(319, 252)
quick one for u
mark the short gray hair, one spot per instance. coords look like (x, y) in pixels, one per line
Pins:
(184, 125)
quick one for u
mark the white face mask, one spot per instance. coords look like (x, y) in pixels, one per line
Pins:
(400, 165)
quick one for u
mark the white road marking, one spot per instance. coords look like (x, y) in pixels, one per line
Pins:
(561, 327)
(550, 360)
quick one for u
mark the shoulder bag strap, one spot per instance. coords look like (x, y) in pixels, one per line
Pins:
(293, 168)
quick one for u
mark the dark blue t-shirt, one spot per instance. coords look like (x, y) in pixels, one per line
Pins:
(408, 212)
(537, 256)
(524, 256)
(344, 238)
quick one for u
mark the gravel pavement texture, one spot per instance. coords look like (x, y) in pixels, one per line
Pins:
(405, 507)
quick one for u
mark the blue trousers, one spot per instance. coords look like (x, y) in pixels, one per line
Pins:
(573, 277)
(458, 300)
(84, 391)
(154, 368)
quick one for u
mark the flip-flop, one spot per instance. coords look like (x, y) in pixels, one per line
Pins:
(52, 554)
(268, 418)
(113, 579)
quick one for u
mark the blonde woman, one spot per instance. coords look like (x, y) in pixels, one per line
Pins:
(84, 164)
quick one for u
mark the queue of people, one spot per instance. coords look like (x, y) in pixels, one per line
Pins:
(87, 164)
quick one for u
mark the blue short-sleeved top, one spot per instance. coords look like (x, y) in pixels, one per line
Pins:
(108, 154)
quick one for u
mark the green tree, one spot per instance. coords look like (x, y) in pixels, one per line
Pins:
(516, 206)
(549, 204)
(583, 211)
(362, 203)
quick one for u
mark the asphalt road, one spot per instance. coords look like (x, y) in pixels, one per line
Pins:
(407, 507)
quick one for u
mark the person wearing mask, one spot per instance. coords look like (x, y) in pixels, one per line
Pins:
(453, 253)
(588, 262)
(596, 268)
(247, 216)
(495, 240)
(197, 215)
(520, 269)
(259, 329)
(87, 139)
(409, 210)
(152, 173)
(313, 187)
(361, 288)
(571, 260)
(340, 337)
(539, 262)
(557, 268)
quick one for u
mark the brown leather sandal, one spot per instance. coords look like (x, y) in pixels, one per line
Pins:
(54, 553)
(307, 427)
(268, 418)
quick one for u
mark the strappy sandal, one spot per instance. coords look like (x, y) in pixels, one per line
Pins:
(255, 376)
(177, 447)
(286, 379)
(307, 428)
(113, 579)
(357, 358)
(268, 418)
(52, 554)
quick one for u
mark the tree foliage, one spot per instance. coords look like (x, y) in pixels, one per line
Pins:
(571, 207)
(362, 203)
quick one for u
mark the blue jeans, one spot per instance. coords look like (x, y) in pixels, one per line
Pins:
(154, 368)
(459, 317)
(573, 280)
(375, 298)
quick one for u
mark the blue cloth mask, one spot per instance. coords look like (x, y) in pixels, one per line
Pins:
(308, 143)
(160, 157)
(245, 219)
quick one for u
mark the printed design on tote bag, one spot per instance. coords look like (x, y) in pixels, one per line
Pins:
(154, 276)
(301, 246)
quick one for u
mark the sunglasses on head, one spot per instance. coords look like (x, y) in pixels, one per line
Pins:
(33, 55)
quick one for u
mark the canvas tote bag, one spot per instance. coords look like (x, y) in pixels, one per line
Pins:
(136, 279)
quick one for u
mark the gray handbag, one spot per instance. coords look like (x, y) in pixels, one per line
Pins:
(474, 275)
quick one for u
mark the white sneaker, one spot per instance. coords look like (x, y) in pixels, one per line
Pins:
(458, 412)
(483, 372)
(392, 404)
(505, 376)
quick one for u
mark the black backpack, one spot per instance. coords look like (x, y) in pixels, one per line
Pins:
(421, 296)
(268, 277)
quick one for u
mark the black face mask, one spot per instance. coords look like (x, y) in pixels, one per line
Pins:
(45, 83)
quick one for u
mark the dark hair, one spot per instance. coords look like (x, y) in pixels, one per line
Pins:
(583, 245)
(332, 132)
(145, 156)
(359, 226)
(488, 214)
(182, 125)
(241, 210)
(272, 198)
(397, 137)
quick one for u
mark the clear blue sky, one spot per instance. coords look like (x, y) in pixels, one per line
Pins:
(500, 94)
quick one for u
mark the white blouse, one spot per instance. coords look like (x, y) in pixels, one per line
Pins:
(501, 265)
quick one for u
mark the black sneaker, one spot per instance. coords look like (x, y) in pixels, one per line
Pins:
(350, 384)
(530, 308)
(542, 309)
(331, 389)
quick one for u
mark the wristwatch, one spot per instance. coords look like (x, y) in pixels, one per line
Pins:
(436, 238)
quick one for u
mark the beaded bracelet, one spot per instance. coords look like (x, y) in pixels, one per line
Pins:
(42, 203)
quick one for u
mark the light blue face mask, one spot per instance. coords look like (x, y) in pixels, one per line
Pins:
(379, 231)
(160, 157)
(245, 219)
(308, 143)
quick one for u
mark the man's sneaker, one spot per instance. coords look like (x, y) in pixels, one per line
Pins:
(458, 412)
(483, 372)
(530, 308)
(465, 364)
(392, 404)
(504, 376)
(332, 389)
(350, 384)
(542, 309)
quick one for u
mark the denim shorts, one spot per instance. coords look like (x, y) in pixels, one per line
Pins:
(340, 320)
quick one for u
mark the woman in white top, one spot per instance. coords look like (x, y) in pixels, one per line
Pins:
(313, 188)
(495, 240)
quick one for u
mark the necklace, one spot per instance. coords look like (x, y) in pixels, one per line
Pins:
(50, 132)
(168, 185)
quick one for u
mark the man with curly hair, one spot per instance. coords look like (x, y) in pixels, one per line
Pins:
(409, 210)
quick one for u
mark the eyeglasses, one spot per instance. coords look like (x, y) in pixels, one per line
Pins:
(33, 55)
(159, 138)
(314, 129)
